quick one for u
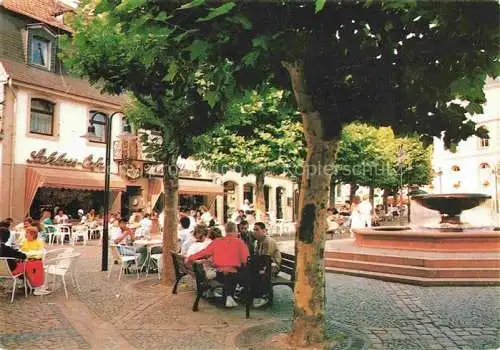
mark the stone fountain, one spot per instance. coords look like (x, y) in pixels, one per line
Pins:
(450, 206)
(439, 248)
(450, 235)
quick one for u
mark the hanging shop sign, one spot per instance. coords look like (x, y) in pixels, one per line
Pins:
(57, 159)
(131, 170)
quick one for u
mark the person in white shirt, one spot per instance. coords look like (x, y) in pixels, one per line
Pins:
(206, 217)
(365, 209)
(201, 241)
(61, 218)
(185, 232)
(145, 226)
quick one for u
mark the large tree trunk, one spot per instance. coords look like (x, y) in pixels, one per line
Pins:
(352, 191)
(309, 307)
(171, 190)
(260, 201)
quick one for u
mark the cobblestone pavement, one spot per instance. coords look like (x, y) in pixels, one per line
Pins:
(131, 314)
(399, 316)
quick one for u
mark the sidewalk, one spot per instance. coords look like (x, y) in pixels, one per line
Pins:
(131, 314)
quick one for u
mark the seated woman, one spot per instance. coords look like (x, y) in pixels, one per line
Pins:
(200, 234)
(31, 242)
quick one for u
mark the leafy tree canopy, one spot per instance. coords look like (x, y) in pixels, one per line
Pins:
(367, 156)
(387, 63)
(261, 134)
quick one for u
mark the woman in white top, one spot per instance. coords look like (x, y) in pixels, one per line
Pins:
(356, 216)
(201, 241)
(206, 217)
(61, 218)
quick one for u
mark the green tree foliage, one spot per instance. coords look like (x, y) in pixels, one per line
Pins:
(261, 135)
(128, 46)
(367, 157)
(393, 63)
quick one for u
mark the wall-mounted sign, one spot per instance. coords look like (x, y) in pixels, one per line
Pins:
(62, 160)
(156, 170)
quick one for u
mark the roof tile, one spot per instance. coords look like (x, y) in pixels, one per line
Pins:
(41, 10)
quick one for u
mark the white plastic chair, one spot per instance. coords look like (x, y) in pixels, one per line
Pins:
(61, 266)
(80, 231)
(123, 260)
(155, 260)
(6, 273)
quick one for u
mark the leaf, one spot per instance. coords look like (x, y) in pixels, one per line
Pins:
(184, 34)
(218, 11)
(194, 3)
(245, 23)
(211, 97)
(172, 72)
(318, 5)
(162, 16)
(198, 49)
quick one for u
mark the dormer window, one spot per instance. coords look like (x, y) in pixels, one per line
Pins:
(41, 47)
(40, 52)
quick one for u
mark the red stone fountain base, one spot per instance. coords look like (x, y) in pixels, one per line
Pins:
(422, 258)
(466, 241)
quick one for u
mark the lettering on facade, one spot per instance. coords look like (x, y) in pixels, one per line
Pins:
(156, 170)
(62, 160)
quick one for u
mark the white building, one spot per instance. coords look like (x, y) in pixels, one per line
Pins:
(471, 169)
(47, 158)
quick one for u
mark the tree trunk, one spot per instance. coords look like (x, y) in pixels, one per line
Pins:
(333, 189)
(352, 191)
(260, 202)
(171, 189)
(308, 326)
(385, 197)
(372, 196)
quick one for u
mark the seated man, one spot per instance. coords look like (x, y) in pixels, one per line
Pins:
(265, 246)
(145, 227)
(228, 254)
(184, 233)
(8, 252)
(246, 235)
(123, 237)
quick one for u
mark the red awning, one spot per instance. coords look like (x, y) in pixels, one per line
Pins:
(201, 188)
(64, 178)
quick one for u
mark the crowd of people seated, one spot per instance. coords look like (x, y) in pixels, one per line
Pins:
(226, 255)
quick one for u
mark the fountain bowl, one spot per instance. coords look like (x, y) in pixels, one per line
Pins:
(451, 205)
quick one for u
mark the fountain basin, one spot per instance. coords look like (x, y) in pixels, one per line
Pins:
(411, 239)
(451, 205)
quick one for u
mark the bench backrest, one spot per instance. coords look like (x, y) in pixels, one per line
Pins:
(288, 265)
(180, 267)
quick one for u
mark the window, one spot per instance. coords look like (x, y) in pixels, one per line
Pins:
(40, 52)
(484, 166)
(455, 168)
(41, 117)
(99, 122)
(484, 143)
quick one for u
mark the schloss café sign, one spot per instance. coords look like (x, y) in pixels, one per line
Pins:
(62, 160)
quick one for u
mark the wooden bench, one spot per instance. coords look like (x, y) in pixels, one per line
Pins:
(285, 277)
(197, 271)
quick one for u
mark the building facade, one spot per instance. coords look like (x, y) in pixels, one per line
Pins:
(47, 157)
(475, 166)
